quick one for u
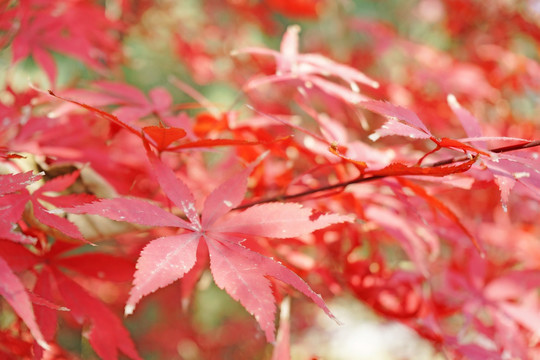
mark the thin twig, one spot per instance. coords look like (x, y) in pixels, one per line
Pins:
(362, 179)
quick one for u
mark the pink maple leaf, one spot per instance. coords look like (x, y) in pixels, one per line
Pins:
(401, 121)
(508, 297)
(132, 104)
(13, 182)
(240, 271)
(404, 122)
(16, 295)
(507, 169)
(12, 204)
(13, 197)
(311, 69)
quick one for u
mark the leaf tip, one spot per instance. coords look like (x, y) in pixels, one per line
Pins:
(374, 137)
(128, 310)
(295, 28)
(452, 101)
(43, 344)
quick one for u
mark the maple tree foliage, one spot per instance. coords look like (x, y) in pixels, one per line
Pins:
(192, 180)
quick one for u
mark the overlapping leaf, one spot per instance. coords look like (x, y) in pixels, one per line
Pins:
(310, 69)
(160, 138)
(13, 197)
(107, 335)
(16, 295)
(42, 27)
(12, 207)
(507, 169)
(241, 272)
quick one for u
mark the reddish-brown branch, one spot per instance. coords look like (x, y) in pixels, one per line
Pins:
(344, 184)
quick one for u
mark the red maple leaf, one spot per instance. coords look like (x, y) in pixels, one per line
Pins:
(131, 103)
(106, 333)
(13, 182)
(241, 272)
(42, 27)
(507, 296)
(16, 295)
(12, 205)
(161, 138)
